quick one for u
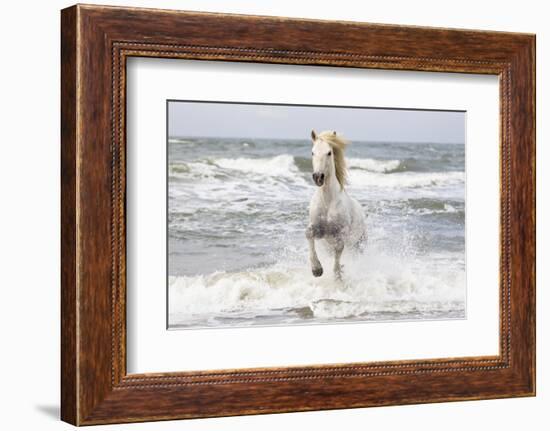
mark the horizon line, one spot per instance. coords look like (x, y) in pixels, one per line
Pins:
(307, 139)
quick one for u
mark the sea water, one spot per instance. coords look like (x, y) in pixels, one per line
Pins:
(238, 256)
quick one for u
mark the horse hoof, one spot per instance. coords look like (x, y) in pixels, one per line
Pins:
(317, 272)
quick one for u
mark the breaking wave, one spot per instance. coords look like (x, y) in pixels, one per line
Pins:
(373, 165)
(363, 172)
(371, 290)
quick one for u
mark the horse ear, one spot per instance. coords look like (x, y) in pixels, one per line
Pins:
(313, 135)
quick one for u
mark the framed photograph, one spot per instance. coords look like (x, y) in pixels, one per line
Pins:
(317, 215)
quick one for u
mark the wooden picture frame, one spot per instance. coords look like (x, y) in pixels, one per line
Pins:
(95, 43)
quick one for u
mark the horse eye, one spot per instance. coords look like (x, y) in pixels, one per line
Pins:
(329, 153)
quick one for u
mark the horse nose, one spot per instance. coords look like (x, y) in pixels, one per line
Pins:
(318, 178)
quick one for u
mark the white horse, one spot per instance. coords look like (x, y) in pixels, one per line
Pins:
(334, 216)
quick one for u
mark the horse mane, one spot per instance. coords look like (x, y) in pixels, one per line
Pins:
(338, 145)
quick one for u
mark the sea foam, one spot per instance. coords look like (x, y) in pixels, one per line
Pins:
(370, 286)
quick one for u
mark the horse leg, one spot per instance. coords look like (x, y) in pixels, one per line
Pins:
(338, 249)
(316, 267)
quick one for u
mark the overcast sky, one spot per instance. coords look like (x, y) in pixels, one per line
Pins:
(198, 119)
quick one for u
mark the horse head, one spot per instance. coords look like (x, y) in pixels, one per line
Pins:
(327, 156)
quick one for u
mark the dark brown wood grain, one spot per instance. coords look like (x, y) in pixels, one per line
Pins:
(95, 42)
(68, 217)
